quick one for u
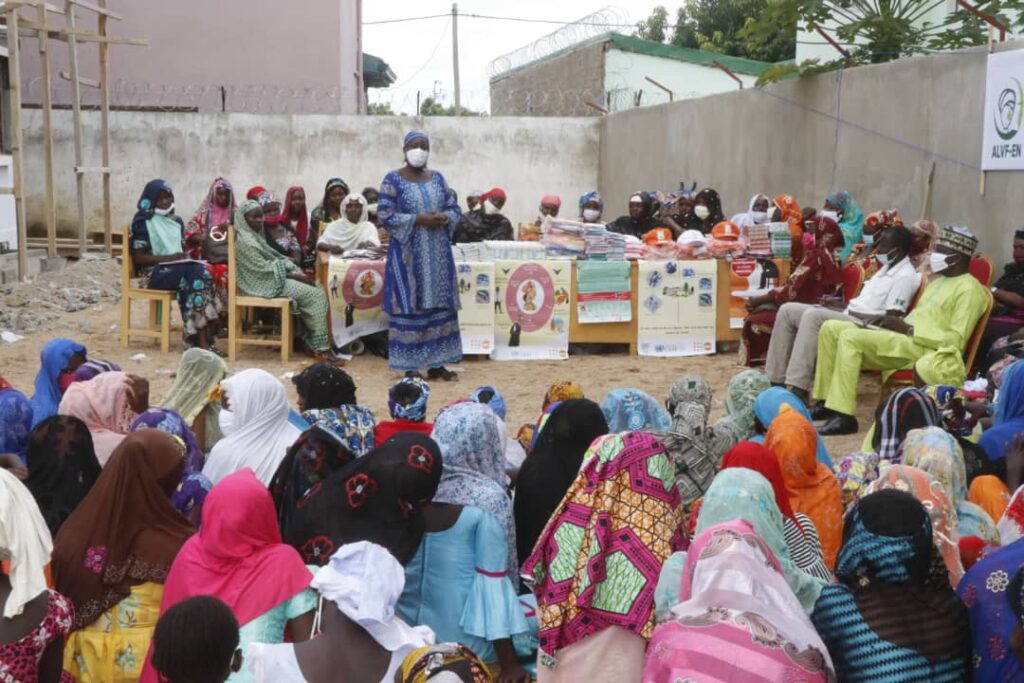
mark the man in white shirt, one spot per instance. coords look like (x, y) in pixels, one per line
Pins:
(793, 349)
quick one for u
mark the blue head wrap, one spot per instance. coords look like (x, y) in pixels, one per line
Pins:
(147, 202)
(53, 359)
(414, 135)
(414, 412)
(1010, 404)
(591, 197)
(634, 410)
(497, 402)
(767, 406)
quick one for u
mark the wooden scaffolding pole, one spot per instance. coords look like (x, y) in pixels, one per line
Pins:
(76, 108)
(101, 18)
(14, 76)
(50, 215)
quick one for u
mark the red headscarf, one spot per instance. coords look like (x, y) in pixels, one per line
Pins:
(302, 224)
(755, 456)
(496, 193)
(4, 384)
(255, 192)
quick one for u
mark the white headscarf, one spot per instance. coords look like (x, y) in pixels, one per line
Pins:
(260, 433)
(25, 541)
(346, 234)
(365, 581)
(745, 220)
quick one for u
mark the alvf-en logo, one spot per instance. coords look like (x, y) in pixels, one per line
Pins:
(1009, 110)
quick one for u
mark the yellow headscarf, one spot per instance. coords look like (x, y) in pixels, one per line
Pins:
(458, 659)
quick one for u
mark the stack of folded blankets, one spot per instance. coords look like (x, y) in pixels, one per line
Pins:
(367, 254)
(514, 251)
(759, 241)
(471, 252)
(635, 249)
(782, 240)
(564, 238)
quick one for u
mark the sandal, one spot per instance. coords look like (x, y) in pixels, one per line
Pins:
(329, 356)
(443, 374)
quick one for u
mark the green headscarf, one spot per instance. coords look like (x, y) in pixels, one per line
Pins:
(260, 271)
(744, 388)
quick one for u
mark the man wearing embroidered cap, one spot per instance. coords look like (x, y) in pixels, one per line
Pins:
(945, 317)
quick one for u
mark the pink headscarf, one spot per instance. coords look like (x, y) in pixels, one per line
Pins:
(102, 404)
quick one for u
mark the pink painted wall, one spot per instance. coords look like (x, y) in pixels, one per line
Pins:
(268, 56)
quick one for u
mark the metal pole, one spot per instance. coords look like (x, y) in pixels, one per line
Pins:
(76, 105)
(455, 56)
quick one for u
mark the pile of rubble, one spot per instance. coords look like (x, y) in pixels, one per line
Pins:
(35, 305)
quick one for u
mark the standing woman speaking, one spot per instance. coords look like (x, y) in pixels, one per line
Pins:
(420, 213)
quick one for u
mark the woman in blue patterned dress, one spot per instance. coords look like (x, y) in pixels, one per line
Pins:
(420, 212)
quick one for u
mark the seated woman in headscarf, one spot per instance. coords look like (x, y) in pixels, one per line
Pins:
(744, 388)
(485, 222)
(893, 615)
(352, 231)
(559, 391)
(787, 210)
(280, 235)
(327, 397)
(35, 620)
(328, 210)
(842, 209)
(15, 425)
(707, 207)
(206, 236)
(113, 554)
(737, 618)
(58, 361)
(265, 273)
(552, 467)
(462, 579)
(591, 208)
(90, 368)
(407, 404)
(239, 558)
(817, 275)
(634, 410)
(811, 485)
(62, 467)
(107, 404)
(260, 432)
(766, 408)
(757, 212)
(158, 253)
(592, 627)
(316, 454)
(993, 592)
(297, 217)
(641, 218)
(193, 395)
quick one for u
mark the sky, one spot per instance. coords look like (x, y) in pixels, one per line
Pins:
(420, 52)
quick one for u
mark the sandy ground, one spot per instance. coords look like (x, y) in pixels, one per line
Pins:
(522, 383)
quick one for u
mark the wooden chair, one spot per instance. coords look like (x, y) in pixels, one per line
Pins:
(239, 304)
(160, 303)
(853, 280)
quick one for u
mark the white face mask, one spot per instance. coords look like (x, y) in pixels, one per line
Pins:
(490, 209)
(591, 214)
(164, 212)
(759, 217)
(701, 212)
(417, 157)
(830, 214)
(371, 208)
(938, 262)
(868, 239)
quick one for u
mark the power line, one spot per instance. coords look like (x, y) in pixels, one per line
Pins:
(494, 18)
(433, 53)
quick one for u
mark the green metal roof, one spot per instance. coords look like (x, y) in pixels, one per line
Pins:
(740, 65)
(376, 72)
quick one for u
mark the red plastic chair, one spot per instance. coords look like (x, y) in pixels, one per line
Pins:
(853, 280)
(982, 269)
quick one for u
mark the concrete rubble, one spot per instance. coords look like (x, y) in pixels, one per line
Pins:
(91, 283)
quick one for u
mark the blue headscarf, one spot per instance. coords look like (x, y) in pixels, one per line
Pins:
(1009, 414)
(15, 422)
(591, 197)
(414, 135)
(852, 223)
(53, 359)
(497, 402)
(767, 406)
(986, 590)
(633, 410)
(414, 412)
(147, 202)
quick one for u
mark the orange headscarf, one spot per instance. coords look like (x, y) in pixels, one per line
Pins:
(790, 209)
(812, 487)
(991, 494)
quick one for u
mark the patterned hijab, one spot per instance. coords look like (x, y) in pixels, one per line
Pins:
(448, 662)
(210, 213)
(125, 531)
(904, 410)
(90, 368)
(852, 222)
(62, 467)
(744, 388)
(621, 517)
(854, 473)
(689, 389)
(415, 411)
(987, 594)
(15, 422)
(316, 455)
(634, 410)
(474, 467)
(562, 391)
(377, 498)
(199, 373)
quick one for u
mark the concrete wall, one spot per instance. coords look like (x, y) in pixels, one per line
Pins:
(269, 56)
(894, 120)
(556, 86)
(528, 157)
(625, 72)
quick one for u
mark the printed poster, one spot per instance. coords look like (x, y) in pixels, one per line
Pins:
(476, 317)
(532, 310)
(676, 311)
(603, 292)
(749, 277)
(1003, 125)
(355, 290)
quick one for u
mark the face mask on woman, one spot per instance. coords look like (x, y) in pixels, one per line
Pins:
(591, 214)
(164, 212)
(701, 211)
(417, 157)
(834, 215)
(759, 217)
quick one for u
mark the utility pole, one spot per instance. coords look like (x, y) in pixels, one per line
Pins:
(455, 56)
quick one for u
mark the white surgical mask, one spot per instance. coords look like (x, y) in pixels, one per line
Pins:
(701, 212)
(938, 262)
(830, 214)
(372, 208)
(868, 239)
(417, 157)
(490, 209)
(591, 214)
(759, 217)
(164, 212)
(883, 259)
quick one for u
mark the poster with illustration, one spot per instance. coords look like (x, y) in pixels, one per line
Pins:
(476, 317)
(532, 310)
(355, 290)
(676, 311)
(747, 278)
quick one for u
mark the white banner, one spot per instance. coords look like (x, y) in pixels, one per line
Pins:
(355, 290)
(1003, 140)
(532, 312)
(676, 315)
(476, 317)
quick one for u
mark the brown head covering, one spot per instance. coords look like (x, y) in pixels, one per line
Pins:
(125, 531)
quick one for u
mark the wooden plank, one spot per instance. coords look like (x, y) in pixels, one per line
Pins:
(81, 79)
(99, 9)
(105, 130)
(29, 28)
(93, 169)
(14, 4)
(6, 191)
(76, 106)
(50, 212)
(14, 78)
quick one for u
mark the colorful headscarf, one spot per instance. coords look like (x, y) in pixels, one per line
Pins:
(591, 197)
(210, 213)
(562, 390)
(621, 517)
(90, 368)
(62, 467)
(1011, 524)
(904, 410)
(302, 223)
(314, 456)
(990, 493)
(634, 410)
(496, 402)
(15, 422)
(767, 406)
(754, 456)
(791, 213)
(855, 473)
(883, 219)
(103, 404)
(744, 388)
(941, 511)
(414, 135)
(414, 412)
(812, 487)
(53, 360)
(689, 389)
(936, 452)
(146, 205)
(199, 373)
(352, 424)
(986, 592)
(852, 223)
(474, 467)
(449, 662)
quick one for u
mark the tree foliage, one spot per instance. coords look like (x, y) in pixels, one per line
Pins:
(380, 109)
(431, 107)
(654, 27)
